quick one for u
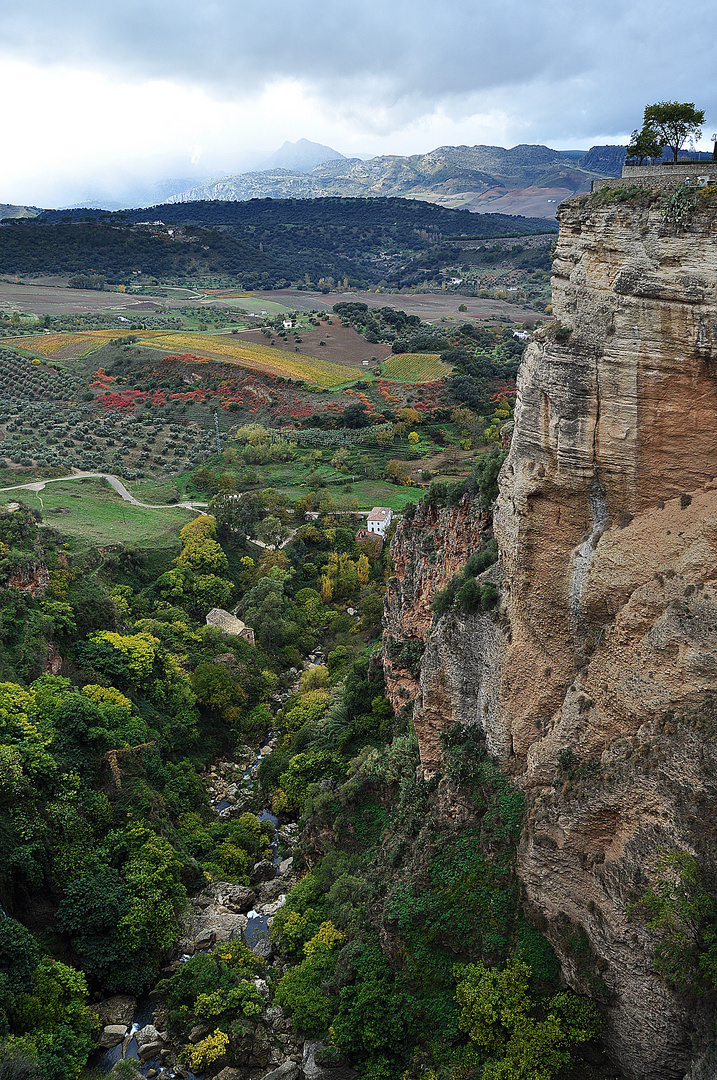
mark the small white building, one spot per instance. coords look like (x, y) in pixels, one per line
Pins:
(379, 520)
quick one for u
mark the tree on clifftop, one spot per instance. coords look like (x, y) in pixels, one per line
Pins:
(644, 144)
(673, 122)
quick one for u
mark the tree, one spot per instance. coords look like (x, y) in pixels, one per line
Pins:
(673, 122)
(271, 531)
(644, 144)
(495, 1010)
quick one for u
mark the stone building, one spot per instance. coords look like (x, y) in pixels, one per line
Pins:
(229, 624)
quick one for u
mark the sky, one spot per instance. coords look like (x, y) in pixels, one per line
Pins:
(102, 96)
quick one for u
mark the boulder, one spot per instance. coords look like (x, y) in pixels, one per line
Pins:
(204, 938)
(325, 1063)
(198, 1032)
(236, 898)
(264, 948)
(262, 871)
(112, 1035)
(285, 866)
(118, 1009)
(288, 1071)
(270, 890)
(149, 1050)
(272, 908)
(147, 1034)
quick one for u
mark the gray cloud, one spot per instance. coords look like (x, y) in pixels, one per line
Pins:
(559, 69)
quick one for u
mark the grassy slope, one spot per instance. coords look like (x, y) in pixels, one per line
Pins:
(97, 515)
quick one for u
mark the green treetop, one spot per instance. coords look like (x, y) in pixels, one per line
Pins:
(672, 123)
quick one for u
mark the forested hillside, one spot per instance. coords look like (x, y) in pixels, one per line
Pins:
(264, 243)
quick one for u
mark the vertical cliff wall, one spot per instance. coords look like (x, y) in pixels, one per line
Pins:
(594, 680)
(427, 551)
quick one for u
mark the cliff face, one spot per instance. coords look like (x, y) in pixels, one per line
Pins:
(594, 681)
(427, 551)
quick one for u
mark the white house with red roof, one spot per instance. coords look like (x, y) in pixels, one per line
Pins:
(379, 520)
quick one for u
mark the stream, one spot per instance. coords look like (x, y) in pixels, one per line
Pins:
(257, 929)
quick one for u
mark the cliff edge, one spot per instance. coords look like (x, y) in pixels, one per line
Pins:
(594, 680)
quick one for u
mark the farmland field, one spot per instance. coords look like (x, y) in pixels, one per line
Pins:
(414, 367)
(252, 356)
(222, 347)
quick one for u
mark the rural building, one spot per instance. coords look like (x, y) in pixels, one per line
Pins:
(370, 542)
(379, 520)
(229, 624)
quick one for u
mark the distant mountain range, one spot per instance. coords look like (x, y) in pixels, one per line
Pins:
(529, 180)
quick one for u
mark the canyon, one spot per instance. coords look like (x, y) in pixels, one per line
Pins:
(594, 678)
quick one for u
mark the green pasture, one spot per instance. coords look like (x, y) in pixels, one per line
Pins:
(92, 514)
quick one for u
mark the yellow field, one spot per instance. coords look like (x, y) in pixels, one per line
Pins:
(233, 350)
(71, 345)
(414, 367)
(220, 347)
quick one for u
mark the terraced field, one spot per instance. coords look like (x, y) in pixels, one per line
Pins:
(414, 367)
(221, 347)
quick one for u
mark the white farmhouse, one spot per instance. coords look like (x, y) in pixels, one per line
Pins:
(379, 520)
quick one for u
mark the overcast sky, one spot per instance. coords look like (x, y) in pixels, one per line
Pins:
(96, 93)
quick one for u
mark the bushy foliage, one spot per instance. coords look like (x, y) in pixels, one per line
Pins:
(524, 1039)
(463, 592)
(681, 912)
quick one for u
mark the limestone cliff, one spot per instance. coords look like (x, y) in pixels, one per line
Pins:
(427, 551)
(594, 680)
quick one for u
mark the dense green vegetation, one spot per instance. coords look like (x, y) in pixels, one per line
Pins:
(106, 822)
(262, 243)
(106, 825)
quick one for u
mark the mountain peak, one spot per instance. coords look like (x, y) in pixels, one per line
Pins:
(302, 156)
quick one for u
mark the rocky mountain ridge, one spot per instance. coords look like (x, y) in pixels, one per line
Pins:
(593, 682)
(455, 176)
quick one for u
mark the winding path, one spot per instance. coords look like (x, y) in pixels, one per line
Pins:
(38, 485)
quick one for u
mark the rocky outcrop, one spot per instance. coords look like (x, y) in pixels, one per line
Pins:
(594, 680)
(427, 551)
(33, 577)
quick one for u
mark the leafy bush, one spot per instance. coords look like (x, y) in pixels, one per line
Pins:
(524, 1038)
(302, 990)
